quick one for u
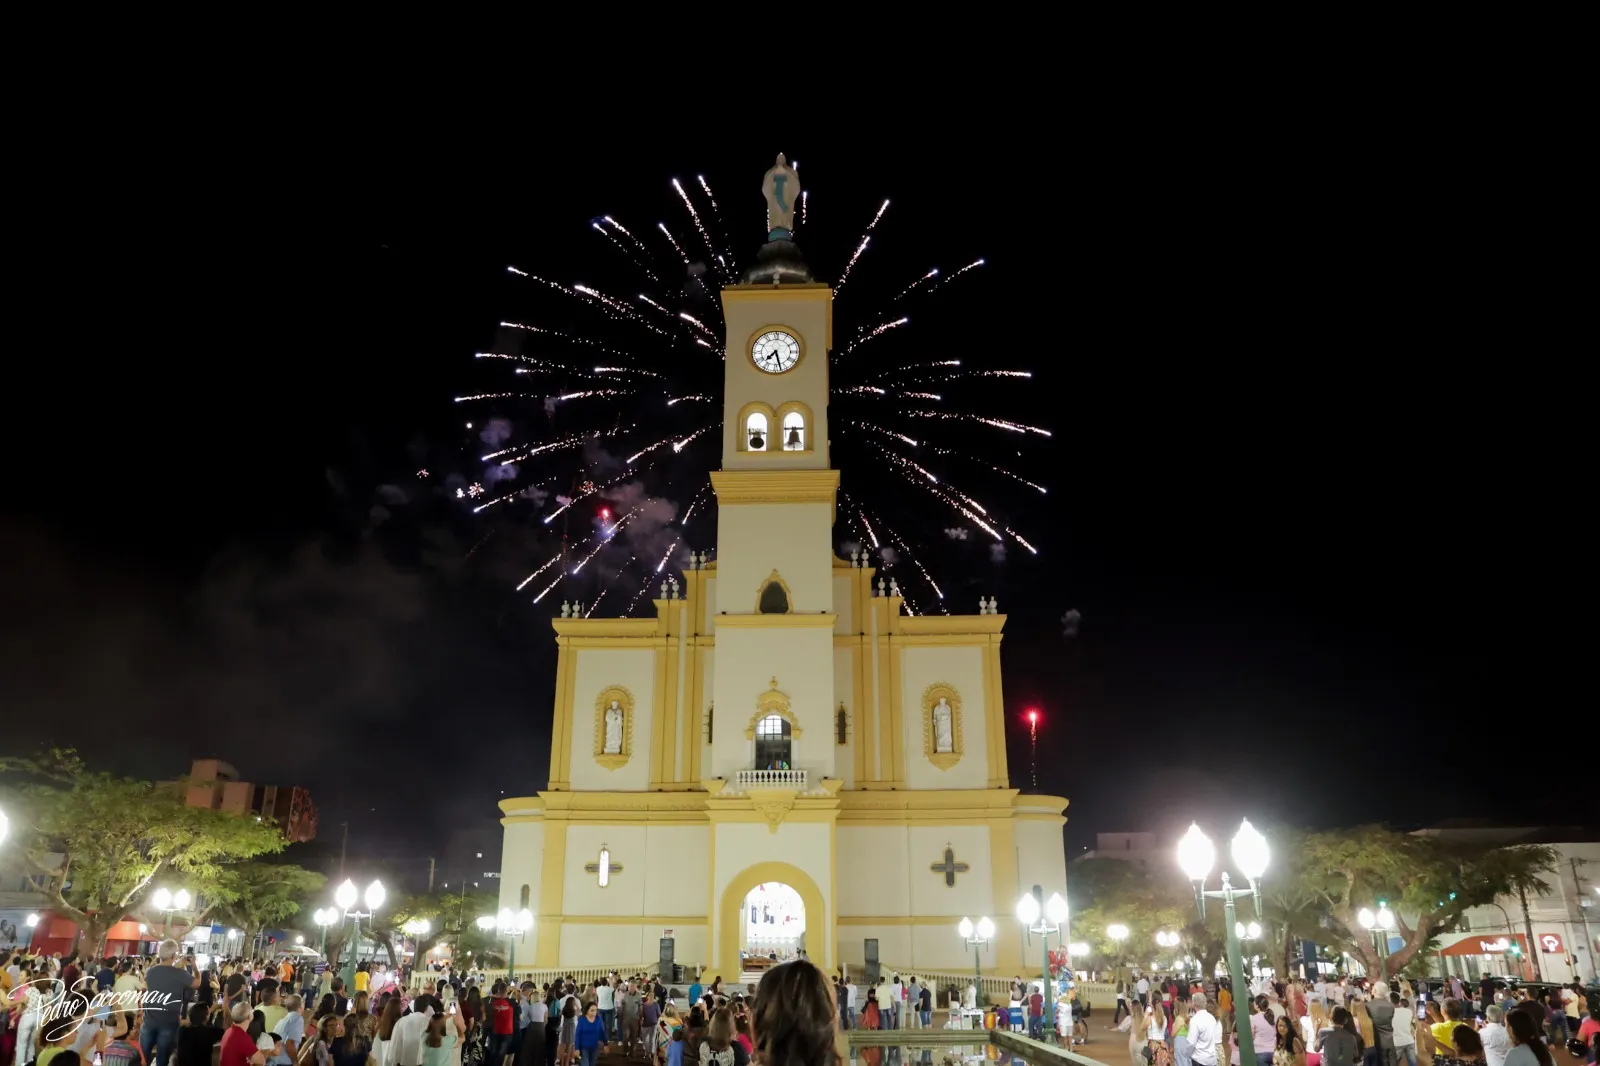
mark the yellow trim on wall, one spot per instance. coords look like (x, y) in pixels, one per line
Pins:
(807, 293)
(663, 747)
(773, 702)
(896, 771)
(951, 920)
(991, 713)
(788, 596)
(775, 486)
(552, 891)
(561, 722)
(670, 708)
(634, 919)
(808, 428)
(609, 627)
(1004, 889)
(775, 621)
(732, 909)
(697, 706)
(927, 624)
(858, 713)
(995, 715)
(602, 703)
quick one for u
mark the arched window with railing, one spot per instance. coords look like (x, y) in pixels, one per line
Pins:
(774, 749)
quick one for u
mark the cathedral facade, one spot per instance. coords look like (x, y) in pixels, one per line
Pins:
(780, 721)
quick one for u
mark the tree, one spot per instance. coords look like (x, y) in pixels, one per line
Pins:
(99, 842)
(1116, 892)
(261, 894)
(1427, 882)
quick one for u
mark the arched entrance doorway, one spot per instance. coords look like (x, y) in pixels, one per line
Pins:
(781, 891)
(773, 922)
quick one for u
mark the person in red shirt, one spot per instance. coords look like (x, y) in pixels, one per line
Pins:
(1036, 1012)
(238, 1048)
(504, 1016)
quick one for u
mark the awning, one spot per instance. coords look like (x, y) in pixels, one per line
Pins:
(1487, 944)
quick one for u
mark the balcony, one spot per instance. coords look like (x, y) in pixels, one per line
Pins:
(757, 779)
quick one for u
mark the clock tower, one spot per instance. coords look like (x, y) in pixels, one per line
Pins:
(776, 490)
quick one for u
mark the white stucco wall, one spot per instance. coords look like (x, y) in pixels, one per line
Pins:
(843, 604)
(973, 891)
(586, 944)
(962, 669)
(678, 873)
(885, 851)
(1041, 857)
(521, 860)
(625, 893)
(595, 670)
(748, 659)
(795, 539)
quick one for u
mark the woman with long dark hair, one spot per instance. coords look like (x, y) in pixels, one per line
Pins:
(1527, 1046)
(794, 1020)
(1289, 1050)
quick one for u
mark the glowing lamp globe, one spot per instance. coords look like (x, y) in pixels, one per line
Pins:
(375, 895)
(524, 920)
(1366, 918)
(1055, 909)
(1118, 932)
(345, 895)
(180, 899)
(1253, 930)
(1079, 948)
(1027, 909)
(1250, 853)
(1385, 918)
(161, 900)
(486, 922)
(299, 940)
(1196, 854)
(5, 826)
(965, 928)
(985, 928)
(33, 920)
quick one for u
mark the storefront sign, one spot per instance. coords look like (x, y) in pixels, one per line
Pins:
(1551, 943)
(1486, 944)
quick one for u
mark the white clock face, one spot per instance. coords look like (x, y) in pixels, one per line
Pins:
(775, 351)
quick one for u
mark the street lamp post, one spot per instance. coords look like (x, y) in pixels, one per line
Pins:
(1118, 933)
(416, 929)
(345, 899)
(1196, 856)
(512, 927)
(5, 825)
(1379, 925)
(1042, 923)
(325, 917)
(976, 937)
(166, 902)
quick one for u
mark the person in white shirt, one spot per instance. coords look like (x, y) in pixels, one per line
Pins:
(1496, 1041)
(1405, 1030)
(405, 1042)
(606, 998)
(1205, 1032)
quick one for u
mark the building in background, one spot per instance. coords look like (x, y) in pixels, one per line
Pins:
(471, 858)
(215, 784)
(1139, 848)
(1565, 918)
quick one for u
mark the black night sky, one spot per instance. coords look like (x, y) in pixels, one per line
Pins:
(1282, 494)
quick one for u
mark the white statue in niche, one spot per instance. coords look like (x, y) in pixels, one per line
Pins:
(943, 727)
(613, 742)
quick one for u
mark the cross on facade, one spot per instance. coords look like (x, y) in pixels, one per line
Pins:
(949, 867)
(604, 868)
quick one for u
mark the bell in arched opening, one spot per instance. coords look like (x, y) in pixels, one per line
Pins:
(792, 441)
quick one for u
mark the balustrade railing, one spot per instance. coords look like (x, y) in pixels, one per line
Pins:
(748, 779)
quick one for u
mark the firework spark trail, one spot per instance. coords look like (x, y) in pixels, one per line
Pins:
(876, 331)
(590, 394)
(627, 233)
(693, 321)
(945, 281)
(997, 469)
(886, 432)
(676, 246)
(619, 307)
(848, 266)
(647, 449)
(905, 549)
(681, 399)
(1018, 538)
(625, 250)
(805, 202)
(998, 423)
(605, 539)
(657, 306)
(548, 587)
(913, 367)
(496, 396)
(536, 365)
(553, 561)
(684, 443)
(524, 452)
(921, 396)
(694, 502)
(702, 179)
(481, 542)
(684, 196)
(905, 291)
(597, 600)
(556, 285)
(668, 554)
(571, 338)
(951, 495)
(625, 370)
(863, 390)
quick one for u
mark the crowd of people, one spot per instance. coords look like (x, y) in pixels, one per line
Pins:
(1350, 1023)
(175, 1010)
